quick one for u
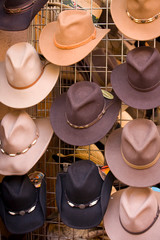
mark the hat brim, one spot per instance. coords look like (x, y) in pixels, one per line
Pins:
(82, 218)
(24, 98)
(131, 96)
(113, 226)
(87, 136)
(128, 27)
(69, 56)
(18, 224)
(130, 176)
(22, 163)
(19, 21)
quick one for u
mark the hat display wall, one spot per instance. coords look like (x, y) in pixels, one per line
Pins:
(137, 19)
(133, 153)
(82, 196)
(24, 80)
(22, 205)
(16, 15)
(69, 39)
(136, 82)
(23, 142)
(133, 213)
(82, 116)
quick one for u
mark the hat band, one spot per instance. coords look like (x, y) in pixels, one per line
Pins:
(19, 10)
(94, 121)
(82, 205)
(144, 89)
(72, 46)
(145, 230)
(139, 21)
(18, 153)
(140, 167)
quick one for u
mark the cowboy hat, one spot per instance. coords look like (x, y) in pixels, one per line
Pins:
(137, 19)
(133, 153)
(69, 39)
(22, 205)
(24, 80)
(82, 196)
(17, 15)
(133, 213)
(22, 142)
(82, 116)
(136, 82)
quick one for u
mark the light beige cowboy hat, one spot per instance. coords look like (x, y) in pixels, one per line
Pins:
(24, 80)
(71, 38)
(22, 142)
(137, 19)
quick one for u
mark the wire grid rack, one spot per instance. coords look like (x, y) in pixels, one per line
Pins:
(98, 65)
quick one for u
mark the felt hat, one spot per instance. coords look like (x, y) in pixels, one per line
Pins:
(137, 19)
(82, 116)
(24, 80)
(133, 213)
(22, 205)
(136, 82)
(71, 38)
(22, 142)
(133, 153)
(82, 196)
(16, 15)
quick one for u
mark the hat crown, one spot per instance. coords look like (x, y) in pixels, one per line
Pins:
(84, 102)
(140, 142)
(138, 209)
(83, 182)
(18, 193)
(17, 131)
(73, 27)
(143, 9)
(143, 68)
(22, 65)
(17, 3)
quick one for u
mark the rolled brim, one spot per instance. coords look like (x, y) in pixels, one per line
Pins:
(29, 222)
(114, 228)
(82, 218)
(129, 95)
(128, 27)
(22, 163)
(87, 136)
(66, 57)
(19, 21)
(123, 172)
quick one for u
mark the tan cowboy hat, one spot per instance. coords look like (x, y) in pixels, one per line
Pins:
(137, 19)
(22, 142)
(24, 80)
(133, 213)
(71, 38)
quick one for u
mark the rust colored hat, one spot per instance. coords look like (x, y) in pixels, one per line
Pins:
(133, 153)
(136, 82)
(134, 213)
(82, 116)
(69, 39)
(137, 19)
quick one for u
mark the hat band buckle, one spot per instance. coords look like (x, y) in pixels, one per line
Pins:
(140, 167)
(139, 21)
(18, 153)
(82, 205)
(145, 230)
(18, 10)
(72, 46)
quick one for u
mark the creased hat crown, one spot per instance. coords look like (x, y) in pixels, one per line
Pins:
(23, 65)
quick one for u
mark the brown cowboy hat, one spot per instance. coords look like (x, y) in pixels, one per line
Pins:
(136, 82)
(137, 19)
(133, 153)
(69, 39)
(133, 213)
